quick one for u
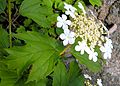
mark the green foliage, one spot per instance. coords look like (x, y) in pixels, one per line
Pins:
(27, 22)
(58, 4)
(40, 53)
(17, 1)
(4, 40)
(3, 5)
(74, 75)
(39, 11)
(95, 2)
(34, 59)
(8, 77)
(69, 1)
(60, 75)
(76, 5)
(21, 29)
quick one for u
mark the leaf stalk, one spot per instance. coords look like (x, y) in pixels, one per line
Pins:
(10, 23)
(65, 50)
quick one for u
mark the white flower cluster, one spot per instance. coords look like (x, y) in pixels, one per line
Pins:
(87, 29)
(68, 36)
(99, 81)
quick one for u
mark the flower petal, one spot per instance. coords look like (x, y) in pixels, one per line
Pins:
(72, 34)
(87, 76)
(62, 36)
(90, 57)
(99, 82)
(82, 52)
(67, 7)
(64, 17)
(96, 54)
(59, 19)
(59, 24)
(102, 48)
(65, 42)
(87, 49)
(71, 40)
(81, 7)
(72, 9)
(68, 22)
(67, 12)
(105, 55)
(109, 56)
(66, 31)
(77, 48)
(65, 26)
(95, 59)
(72, 15)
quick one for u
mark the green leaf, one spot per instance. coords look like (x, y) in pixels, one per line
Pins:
(58, 4)
(20, 29)
(3, 5)
(21, 82)
(7, 77)
(95, 2)
(71, 78)
(74, 75)
(27, 22)
(69, 1)
(60, 75)
(39, 11)
(83, 59)
(59, 31)
(4, 40)
(76, 6)
(41, 52)
(10, 78)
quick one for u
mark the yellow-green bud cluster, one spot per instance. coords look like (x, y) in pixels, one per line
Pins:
(89, 29)
(87, 83)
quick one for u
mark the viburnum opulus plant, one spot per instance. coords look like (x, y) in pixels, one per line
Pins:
(36, 53)
(86, 30)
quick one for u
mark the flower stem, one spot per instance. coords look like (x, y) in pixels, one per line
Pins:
(65, 50)
(10, 23)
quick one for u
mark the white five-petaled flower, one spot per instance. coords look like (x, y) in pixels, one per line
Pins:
(99, 82)
(63, 22)
(81, 47)
(87, 76)
(81, 7)
(70, 10)
(68, 37)
(93, 55)
(107, 48)
(84, 48)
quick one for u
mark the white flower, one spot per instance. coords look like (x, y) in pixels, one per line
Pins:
(99, 82)
(109, 42)
(68, 37)
(87, 76)
(84, 48)
(93, 55)
(81, 47)
(70, 10)
(81, 7)
(63, 22)
(107, 49)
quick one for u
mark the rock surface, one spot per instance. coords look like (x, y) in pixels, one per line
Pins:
(111, 74)
(109, 13)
